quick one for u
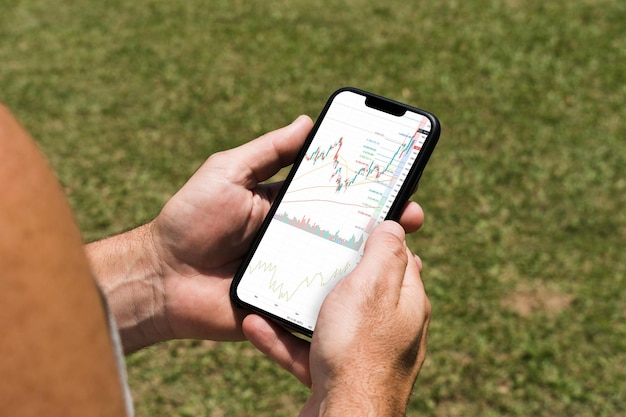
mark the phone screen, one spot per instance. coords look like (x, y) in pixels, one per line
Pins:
(347, 181)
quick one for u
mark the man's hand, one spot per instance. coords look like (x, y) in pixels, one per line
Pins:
(370, 339)
(170, 278)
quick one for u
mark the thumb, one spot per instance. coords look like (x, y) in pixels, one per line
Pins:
(385, 257)
(269, 153)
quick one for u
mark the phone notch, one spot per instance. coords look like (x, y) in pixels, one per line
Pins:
(385, 106)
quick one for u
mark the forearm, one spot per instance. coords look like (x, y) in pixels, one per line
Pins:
(126, 270)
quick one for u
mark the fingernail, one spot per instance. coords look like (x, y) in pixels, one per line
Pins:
(297, 119)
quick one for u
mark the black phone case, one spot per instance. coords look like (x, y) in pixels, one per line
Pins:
(379, 103)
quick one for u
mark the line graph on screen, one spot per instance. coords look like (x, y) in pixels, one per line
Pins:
(287, 289)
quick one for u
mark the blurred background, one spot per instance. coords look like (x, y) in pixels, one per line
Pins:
(525, 196)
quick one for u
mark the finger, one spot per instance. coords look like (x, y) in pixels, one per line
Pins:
(412, 276)
(412, 217)
(281, 346)
(413, 295)
(384, 258)
(418, 260)
(267, 154)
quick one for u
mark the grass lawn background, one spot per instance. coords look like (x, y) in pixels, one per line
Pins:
(525, 197)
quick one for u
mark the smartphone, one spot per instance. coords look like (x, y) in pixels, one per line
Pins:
(359, 166)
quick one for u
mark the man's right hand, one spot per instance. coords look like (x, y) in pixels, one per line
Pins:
(370, 339)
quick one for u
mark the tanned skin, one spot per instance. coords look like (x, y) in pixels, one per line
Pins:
(57, 357)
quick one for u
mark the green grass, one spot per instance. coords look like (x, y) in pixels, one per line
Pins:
(525, 196)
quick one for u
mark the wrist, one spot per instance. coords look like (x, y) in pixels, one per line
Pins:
(127, 269)
(359, 395)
